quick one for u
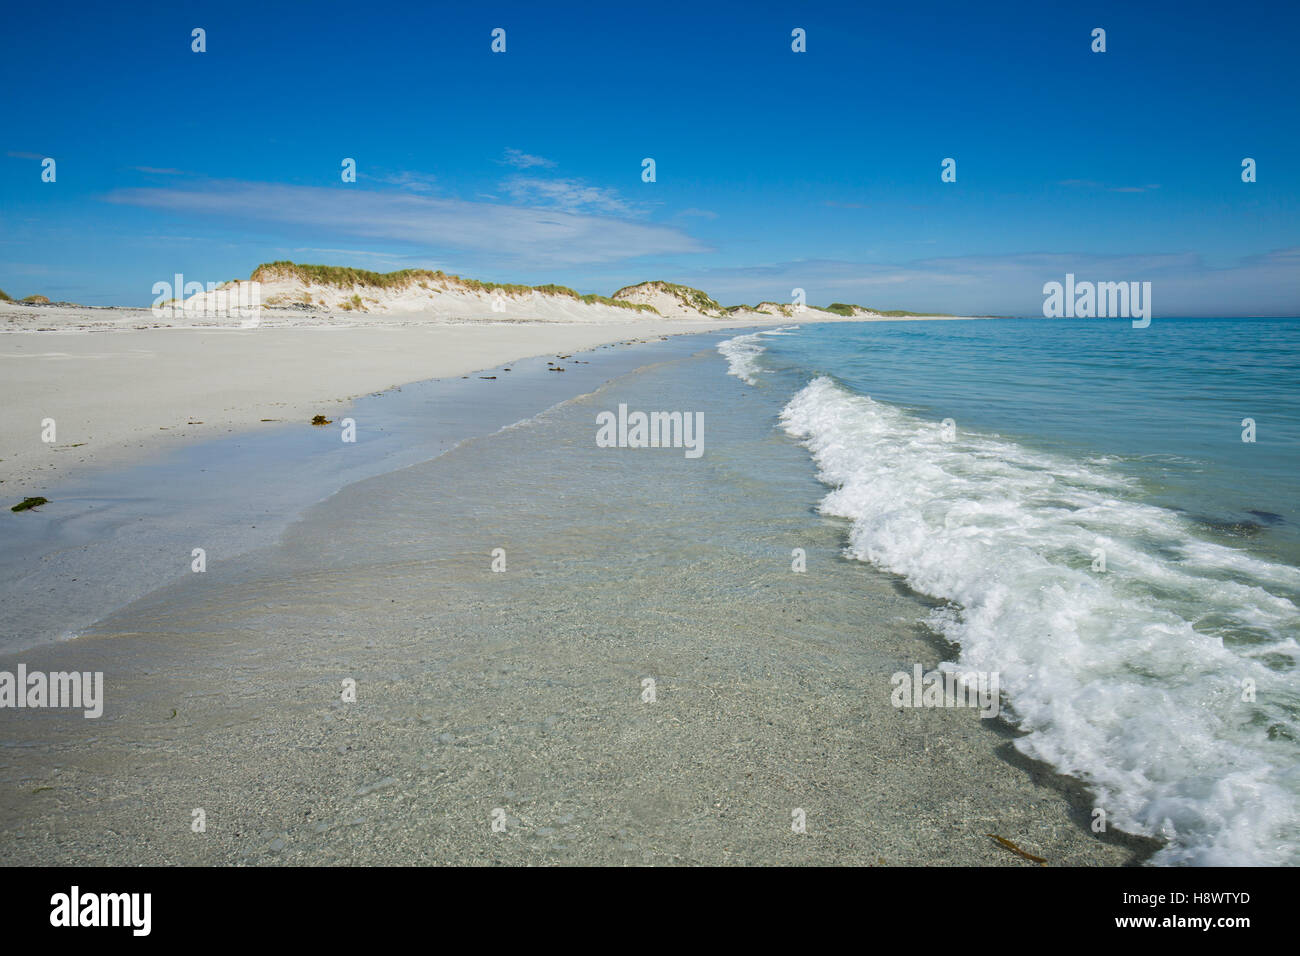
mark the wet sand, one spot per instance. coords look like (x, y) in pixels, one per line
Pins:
(521, 691)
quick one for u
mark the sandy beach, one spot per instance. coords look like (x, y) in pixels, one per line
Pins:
(518, 697)
(121, 383)
(118, 386)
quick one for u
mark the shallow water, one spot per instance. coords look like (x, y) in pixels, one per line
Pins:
(112, 535)
(1106, 541)
(522, 690)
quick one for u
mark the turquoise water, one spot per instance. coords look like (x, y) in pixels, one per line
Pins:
(1080, 496)
(1168, 401)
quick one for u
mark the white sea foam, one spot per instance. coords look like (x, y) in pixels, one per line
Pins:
(742, 353)
(1131, 679)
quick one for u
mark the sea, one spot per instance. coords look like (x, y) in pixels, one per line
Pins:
(1108, 516)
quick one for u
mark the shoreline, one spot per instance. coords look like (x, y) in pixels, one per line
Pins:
(118, 530)
(121, 393)
(519, 690)
(132, 393)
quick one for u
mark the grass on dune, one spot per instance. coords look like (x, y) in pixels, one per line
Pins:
(344, 277)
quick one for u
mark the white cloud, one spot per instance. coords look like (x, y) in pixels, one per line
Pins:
(570, 195)
(519, 232)
(521, 160)
(416, 182)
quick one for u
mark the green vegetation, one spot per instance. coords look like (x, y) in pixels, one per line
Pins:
(556, 290)
(5, 296)
(35, 300)
(592, 298)
(340, 276)
(840, 308)
(29, 503)
(346, 278)
(901, 312)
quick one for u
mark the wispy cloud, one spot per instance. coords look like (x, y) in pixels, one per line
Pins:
(155, 171)
(522, 160)
(20, 155)
(698, 213)
(415, 182)
(1090, 184)
(569, 195)
(519, 232)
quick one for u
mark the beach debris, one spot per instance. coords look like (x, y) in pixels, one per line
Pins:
(488, 377)
(1016, 850)
(28, 503)
(322, 420)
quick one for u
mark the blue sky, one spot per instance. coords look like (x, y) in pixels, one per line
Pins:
(775, 169)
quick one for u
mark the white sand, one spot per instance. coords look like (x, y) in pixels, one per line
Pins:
(116, 395)
(122, 383)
